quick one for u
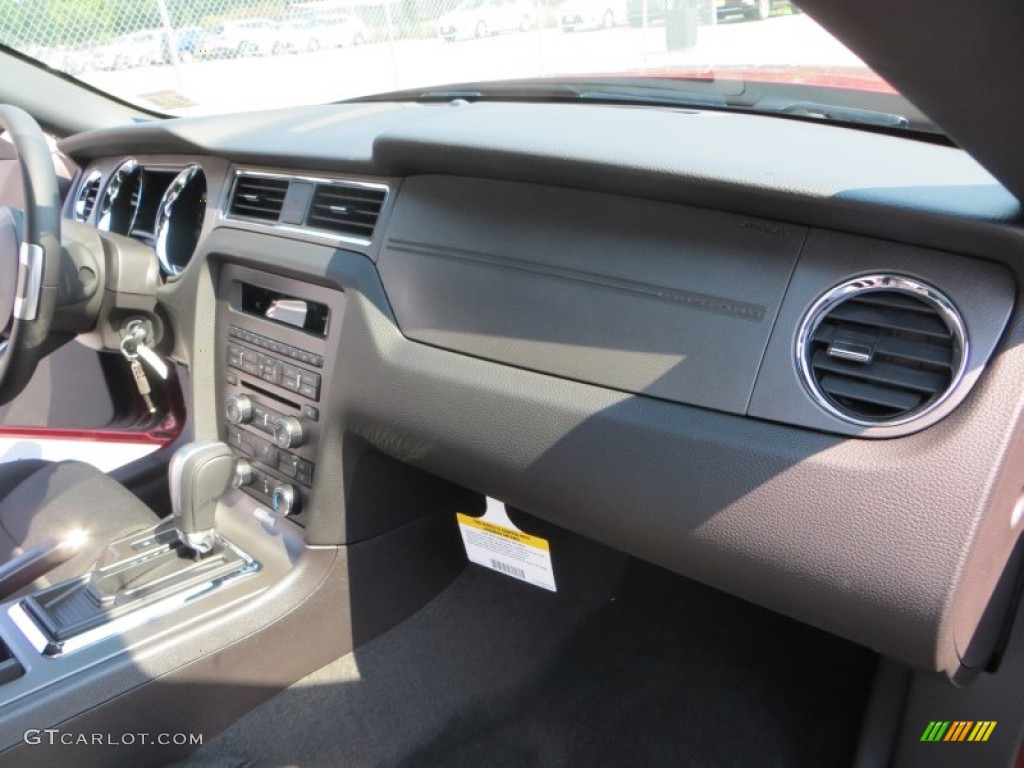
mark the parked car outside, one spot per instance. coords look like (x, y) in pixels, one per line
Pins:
(335, 30)
(80, 60)
(339, 30)
(592, 14)
(138, 49)
(296, 36)
(749, 9)
(187, 43)
(752, 9)
(238, 38)
(481, 18)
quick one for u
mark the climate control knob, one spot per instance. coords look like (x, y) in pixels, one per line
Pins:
(288, 432)
(243, 473)
(285, 500)
(239, 409)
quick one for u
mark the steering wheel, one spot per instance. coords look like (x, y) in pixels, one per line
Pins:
(30, 256)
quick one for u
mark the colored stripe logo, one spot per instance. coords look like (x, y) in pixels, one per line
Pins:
(958, 730)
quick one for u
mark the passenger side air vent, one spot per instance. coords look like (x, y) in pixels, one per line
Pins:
(882, 350)
(88, 194)
(258, 197)
(348, 209)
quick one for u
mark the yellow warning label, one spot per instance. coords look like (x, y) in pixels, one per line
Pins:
(499, 530)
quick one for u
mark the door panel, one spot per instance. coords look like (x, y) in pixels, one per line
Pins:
(71, 389)
(82, 404)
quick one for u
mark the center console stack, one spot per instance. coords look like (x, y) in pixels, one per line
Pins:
(276, 337)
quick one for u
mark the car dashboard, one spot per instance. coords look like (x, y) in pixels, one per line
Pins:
(778, 357)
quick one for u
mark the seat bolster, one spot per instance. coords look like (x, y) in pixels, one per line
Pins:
(59, 498)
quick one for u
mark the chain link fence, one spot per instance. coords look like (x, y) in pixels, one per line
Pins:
(107, 42)
(83, 35)
(72, 34)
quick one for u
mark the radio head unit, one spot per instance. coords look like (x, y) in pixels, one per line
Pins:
(277, 339)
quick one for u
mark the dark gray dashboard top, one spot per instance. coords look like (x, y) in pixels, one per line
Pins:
(797, 171)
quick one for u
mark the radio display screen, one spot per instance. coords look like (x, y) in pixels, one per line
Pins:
(277, 307)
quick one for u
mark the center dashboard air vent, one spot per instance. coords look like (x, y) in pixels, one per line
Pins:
(88, 194)
(881, 350)
(349, 209)
(258, 197)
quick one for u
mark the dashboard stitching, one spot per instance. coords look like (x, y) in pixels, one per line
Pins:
(689, 299)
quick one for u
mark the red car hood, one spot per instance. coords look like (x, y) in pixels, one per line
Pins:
(849, 78)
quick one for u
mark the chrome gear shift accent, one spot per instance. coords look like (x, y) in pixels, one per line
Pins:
(199, 475)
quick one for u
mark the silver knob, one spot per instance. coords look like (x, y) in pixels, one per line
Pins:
(285, 500)
(243, 473)
(239, 409)
(288, 432)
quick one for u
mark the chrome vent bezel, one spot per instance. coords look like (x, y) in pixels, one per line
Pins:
(92, 181)
(237, 191)
(878, 283)
(303, 228)
(170, 265)
(351, 196)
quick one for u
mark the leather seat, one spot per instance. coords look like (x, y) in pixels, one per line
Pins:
(42, 500)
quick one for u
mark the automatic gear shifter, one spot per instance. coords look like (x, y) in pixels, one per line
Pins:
(200, 473)
(143, 569)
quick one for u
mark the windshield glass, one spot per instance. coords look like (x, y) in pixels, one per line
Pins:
(210, 56)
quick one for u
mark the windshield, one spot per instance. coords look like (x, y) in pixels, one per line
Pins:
(211, 56)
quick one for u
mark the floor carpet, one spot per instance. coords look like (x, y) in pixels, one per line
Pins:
(630, 666)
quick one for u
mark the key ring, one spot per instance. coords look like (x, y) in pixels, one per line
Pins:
(133, 343)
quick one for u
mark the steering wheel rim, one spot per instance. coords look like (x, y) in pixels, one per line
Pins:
(23, 335)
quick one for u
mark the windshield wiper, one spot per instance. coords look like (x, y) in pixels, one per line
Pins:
(676, 92)
(500, 91)
(834, 113)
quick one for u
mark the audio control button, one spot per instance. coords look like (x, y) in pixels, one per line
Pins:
(259, 415)
(265, 451)
(289, 464)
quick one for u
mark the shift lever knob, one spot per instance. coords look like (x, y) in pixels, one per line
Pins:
(199, 475)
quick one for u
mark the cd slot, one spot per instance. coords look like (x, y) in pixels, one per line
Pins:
(283, 401)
